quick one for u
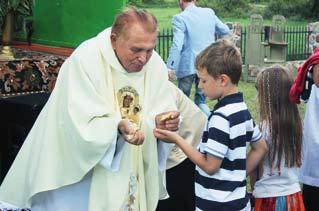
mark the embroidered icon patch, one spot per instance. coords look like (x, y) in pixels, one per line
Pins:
(129, 104)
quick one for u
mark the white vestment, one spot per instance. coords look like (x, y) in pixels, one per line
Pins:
(191, 127)
(73, 143)
(309, 173)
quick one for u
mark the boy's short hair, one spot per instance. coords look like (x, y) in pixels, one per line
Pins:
(221, 57)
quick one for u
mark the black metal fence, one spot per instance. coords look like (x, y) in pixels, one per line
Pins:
(298, 42)
(164, 40)
(297, 38)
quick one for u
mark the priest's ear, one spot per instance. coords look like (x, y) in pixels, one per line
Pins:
(114, 37)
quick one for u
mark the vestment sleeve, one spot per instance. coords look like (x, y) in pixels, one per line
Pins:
(88, 120)
(112, 157)
(163, 150)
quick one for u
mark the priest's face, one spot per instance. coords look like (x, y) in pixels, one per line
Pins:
(134, 47)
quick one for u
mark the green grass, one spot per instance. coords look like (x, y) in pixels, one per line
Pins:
(250, 97)
(164, 15)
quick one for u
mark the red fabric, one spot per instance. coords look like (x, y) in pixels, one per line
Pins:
(293, 202)
(265, 204)
(298, 86)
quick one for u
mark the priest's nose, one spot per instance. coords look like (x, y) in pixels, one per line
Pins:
(142, 57)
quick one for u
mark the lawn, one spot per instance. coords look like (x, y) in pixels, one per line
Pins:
(250, 97)
(165, 14)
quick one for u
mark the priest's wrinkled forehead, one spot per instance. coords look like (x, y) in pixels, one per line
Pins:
(131, 16)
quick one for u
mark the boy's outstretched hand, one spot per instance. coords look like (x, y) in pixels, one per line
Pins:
(166, 135)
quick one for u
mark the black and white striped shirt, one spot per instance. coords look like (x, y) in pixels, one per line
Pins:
(228, 130)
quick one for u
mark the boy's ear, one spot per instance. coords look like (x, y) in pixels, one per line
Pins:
(224, 79)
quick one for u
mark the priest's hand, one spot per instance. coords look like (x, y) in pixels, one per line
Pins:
(130, 132)
(168, 120)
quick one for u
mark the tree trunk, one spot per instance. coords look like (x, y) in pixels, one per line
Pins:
(8, 28)
(6, 53)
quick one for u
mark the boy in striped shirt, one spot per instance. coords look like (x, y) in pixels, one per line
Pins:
(221, 164)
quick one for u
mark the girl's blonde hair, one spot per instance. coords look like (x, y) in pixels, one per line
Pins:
(279, 116)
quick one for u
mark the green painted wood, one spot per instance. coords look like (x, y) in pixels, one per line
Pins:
(67, 23)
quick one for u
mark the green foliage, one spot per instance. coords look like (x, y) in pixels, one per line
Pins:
(227, 8)
(142, 2)
(21, 8)
(258, 1)
(292, 9)
(3, 11)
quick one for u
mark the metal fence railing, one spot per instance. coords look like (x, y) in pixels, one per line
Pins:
(164, 40)
(298, 42)
(297, 38)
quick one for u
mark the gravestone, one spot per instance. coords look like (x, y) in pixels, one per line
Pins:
(276, 47)
(254, 48)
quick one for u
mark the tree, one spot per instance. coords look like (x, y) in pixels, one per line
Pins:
(227, 8)
(308, 9)
(138, 2)
(315, 9)
(14, 11)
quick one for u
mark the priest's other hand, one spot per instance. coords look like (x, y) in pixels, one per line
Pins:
(130, 132)
(168, 120)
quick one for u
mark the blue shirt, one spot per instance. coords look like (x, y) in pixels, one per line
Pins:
(194, 30)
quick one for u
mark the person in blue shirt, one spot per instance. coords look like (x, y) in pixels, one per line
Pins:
(194, 29)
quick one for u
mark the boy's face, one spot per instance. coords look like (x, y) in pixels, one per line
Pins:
(211, 87)
(315, 75)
